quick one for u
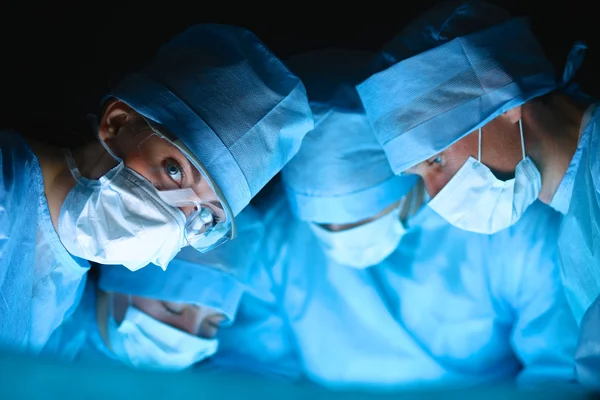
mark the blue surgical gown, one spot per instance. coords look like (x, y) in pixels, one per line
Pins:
(579, 241)
(78, 339)
(447, 307)
(579, 244)
(587, 357)
(40, 282)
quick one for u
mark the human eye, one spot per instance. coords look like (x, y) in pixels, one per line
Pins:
(437, 160)
(174, 171)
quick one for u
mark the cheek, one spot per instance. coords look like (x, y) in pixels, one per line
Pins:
(150, 171)
(139, 165)
(204, 191)
(208, 330)
(434, 183)
(436, 179)
(187, 322)
(152, 307)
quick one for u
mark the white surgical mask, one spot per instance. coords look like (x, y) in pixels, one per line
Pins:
(365, 245)
(144, 342)
(475, 200)
(119, 219)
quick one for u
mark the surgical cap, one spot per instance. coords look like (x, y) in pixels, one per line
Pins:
(219, 90)
(215, 279)
(448, 73)
(340, 174)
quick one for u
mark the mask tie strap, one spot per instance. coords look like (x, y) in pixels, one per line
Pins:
(180, 197)
(72, 165)
(479, 147)
(522, 139)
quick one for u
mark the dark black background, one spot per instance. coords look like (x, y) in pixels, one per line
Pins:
(58, 59)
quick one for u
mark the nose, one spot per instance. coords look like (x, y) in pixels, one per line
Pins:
(190, 319)
(428, 177)
(432, 186)
(200, 321)
(210, 325)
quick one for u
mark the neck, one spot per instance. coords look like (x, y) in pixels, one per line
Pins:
(92, 160)
(57, 178)
(552, 128)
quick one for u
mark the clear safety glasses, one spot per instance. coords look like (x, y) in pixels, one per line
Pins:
(183, 182)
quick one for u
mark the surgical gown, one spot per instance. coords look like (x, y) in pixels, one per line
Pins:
(579, 245)
(587, 357)
(40, 282)
(447, 307)
(78, 339)
(578, 242)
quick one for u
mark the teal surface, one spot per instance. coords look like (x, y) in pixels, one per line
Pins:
(26, 377)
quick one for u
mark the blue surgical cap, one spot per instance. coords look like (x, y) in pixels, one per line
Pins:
(219, 90)
(341, 174)
(448, 73)
(215, 279)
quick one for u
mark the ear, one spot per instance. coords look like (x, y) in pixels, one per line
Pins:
(514, 114)
(116, 114)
